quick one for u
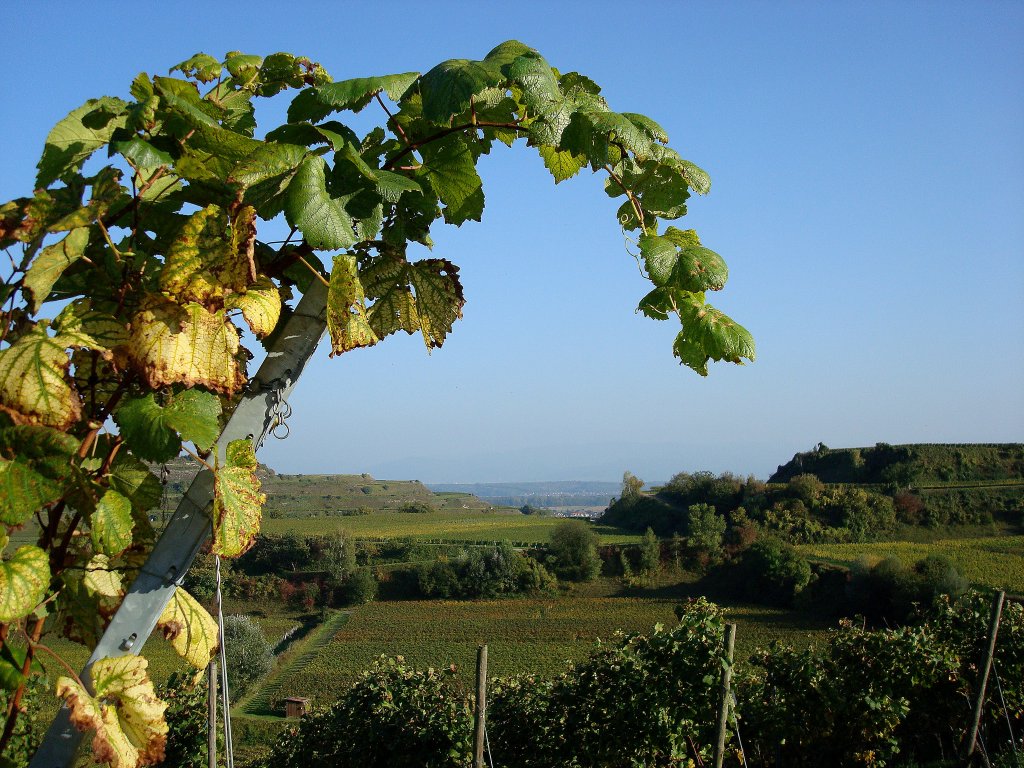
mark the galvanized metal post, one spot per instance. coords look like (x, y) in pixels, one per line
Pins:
(190, 524)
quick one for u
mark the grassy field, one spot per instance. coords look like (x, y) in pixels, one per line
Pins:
(464, 525)
(996, 561)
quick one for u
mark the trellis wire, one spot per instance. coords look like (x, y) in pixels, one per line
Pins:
(229, 748)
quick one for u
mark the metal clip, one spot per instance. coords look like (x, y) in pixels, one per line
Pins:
(280, 410)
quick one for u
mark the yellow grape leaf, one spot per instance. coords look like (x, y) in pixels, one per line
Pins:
(111, 524)
(125, 713)
(34, 383)
(237, 501)
(171, 344)
(347, 322)
(24, 579)
(209, 259)
(80, 326)
(191, 630)
(260, 305)
(103, 582)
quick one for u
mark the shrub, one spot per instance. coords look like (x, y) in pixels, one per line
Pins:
(392, 715)
(773, 572)
(360, 587)
(573, 550)
(249, 655)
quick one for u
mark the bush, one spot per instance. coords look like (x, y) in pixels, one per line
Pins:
(187, 744)
(360, 587)
(573, 550)
(249, 655)
(773, 572)
(392, 715)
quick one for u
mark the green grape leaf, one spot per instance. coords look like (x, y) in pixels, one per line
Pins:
(34, 383)
(190, 345)
(699, 269)
(654, 131)
(131, 478)
(201, 66)
(190, 628)
(124, 712)
(386, 280)
(448, 88)
(715, 333)
(317, 103)
(237, 501)
(110, 526)
(35, 464)
(141, 154)
(51, 262)
(391, 186)
(152, 431)
(195, 415)
(24, 579)
(684, 238)
(562, 164)
(660, 257)
(309, 208)
(439, 298)
(657, 304)
(347, 321)
(243, 66)
(12, 661)
(260, 305)
(451, 169)
(536, 79)
(77, 136)
(271, 160)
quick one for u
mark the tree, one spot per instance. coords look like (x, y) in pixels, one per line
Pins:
(128, 280)
(249, 655)
(705, 527)
(631, 486)
(650, 554)
(573, 551)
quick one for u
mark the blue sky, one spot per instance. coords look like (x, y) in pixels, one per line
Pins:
(868, 195)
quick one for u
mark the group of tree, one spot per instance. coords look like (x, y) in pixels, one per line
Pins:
(801, 510)
(864, 697)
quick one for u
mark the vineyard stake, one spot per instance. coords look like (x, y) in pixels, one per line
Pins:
(480, 717)
(983, 672)
(724, 692)
(211, 704)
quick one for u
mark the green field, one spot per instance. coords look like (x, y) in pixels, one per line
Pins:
(996, 561)
(464, 525)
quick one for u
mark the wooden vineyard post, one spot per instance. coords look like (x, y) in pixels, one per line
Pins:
(983, 672)
(725, 693)
(211, 694)
(480, 717)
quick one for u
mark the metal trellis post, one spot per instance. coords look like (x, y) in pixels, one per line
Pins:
(256, 414)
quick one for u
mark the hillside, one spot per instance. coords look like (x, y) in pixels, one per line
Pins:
(296, 495)
(918, 464)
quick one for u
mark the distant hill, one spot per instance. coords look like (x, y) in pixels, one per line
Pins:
(916, 464)
(289, 495)
(558, 493)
